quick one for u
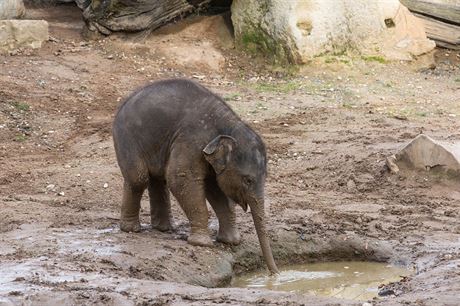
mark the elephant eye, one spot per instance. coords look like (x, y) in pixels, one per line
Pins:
(248, 181)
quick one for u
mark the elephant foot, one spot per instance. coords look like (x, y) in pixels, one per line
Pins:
(162, 226)
(130, 226)
(229, 237)
(200, 240)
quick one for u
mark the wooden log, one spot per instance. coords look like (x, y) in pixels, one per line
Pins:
(444, 34)
(136, 15)
(445, 10)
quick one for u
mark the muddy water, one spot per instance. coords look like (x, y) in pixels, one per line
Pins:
(348, 280)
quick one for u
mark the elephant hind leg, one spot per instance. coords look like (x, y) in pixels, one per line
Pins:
(135, 176)
(225, 211)
(130, 207)
(160, 205)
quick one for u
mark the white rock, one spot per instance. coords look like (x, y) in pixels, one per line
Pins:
(106, 185)
(302, 29)
(351, 185)
(16, 34)
(391, 164)
(10, 9)
(425, 153)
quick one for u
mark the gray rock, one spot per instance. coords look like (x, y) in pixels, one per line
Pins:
(427, 154)
(15, 34)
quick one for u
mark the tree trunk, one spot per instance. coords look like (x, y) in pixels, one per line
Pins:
(441, 19)
(444, 34)
(136, 15)
(448, 10)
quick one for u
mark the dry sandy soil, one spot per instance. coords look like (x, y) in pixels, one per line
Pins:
(328, 128)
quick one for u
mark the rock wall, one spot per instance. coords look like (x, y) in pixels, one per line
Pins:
(298, 30)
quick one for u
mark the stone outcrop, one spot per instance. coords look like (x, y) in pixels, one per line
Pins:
(15, 34)
(424, 153)
(11, 9)
(299, 30)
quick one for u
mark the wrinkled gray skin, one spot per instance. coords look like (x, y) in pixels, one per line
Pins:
(177, 135)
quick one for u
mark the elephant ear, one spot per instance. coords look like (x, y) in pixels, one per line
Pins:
(218, 152)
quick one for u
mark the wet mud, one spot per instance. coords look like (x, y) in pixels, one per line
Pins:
(328, 130)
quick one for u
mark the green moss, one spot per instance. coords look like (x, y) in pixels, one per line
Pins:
(374, 58)
(286, 87)
(20, 138)
(21, 106)
(257, 42)
(348, 105)
(232, 96)
(330, 60)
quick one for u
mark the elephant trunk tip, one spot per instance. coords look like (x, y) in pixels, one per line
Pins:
(259, 222)
(274, 271)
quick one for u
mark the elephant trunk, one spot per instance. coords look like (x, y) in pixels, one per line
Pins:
(258, 215)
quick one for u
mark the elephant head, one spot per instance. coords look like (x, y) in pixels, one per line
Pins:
(241, 169)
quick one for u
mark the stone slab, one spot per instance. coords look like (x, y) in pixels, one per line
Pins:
(15, 34)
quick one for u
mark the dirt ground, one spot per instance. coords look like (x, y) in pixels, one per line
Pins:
(328, 128)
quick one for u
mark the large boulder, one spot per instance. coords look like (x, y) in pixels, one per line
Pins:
(424, 153)
(10, 9)
(298, 30)
(15, 34)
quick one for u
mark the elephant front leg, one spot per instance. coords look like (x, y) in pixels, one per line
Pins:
(189, 192)
(225, 212)
(130, 206)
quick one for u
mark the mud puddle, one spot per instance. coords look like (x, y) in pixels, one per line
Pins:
(347, 280)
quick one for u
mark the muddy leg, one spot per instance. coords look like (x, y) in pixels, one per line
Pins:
(225, 211)
(189, 192)
(130, 207)
(160, 205)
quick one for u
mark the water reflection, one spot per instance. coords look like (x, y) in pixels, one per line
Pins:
(349, 280)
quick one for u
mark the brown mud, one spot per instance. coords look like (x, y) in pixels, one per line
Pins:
(328, 130)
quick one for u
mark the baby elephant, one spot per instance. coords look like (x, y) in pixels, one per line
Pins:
(177, 135)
